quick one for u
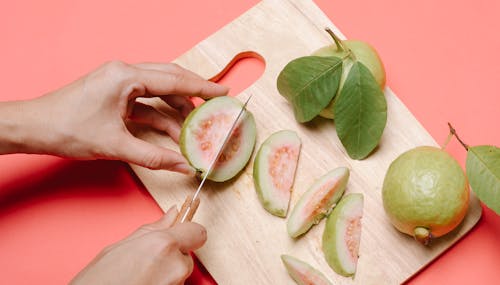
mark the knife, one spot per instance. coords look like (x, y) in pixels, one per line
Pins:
(192, 202)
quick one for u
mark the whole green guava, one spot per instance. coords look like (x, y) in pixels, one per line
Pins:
(425, 193)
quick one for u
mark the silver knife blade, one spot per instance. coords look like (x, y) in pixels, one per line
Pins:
(216, 158)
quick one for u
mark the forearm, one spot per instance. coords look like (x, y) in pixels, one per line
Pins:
(23, 127)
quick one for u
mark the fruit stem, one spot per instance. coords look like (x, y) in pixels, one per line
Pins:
(338, 42)
(454, 133)
(422, 235)
(340, 45)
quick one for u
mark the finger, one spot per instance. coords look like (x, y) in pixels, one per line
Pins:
(190, 236)
(179, 269)
(145, 114)
(174, 113)
(165, 222)
(167, 67)
(144, 154)
(160, 83)
(181, 103)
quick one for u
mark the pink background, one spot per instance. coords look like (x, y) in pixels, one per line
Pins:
(441, 59)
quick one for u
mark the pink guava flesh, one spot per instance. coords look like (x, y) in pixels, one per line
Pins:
(282, 165)
(204, 131)
(303, 273)
(214, 129)
(317, 201)
(274, 171)
(352, 237)
(342, 234)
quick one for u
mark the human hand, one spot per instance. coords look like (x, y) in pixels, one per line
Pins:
(88, 118)
(157, 253)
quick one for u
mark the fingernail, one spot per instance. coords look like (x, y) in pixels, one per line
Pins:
(222, 89)
(172, 208)
(204, 234)
(184, 168)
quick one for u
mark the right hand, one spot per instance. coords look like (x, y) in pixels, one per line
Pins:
(156, 253)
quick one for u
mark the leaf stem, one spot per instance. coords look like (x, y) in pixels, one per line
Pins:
(454, 133)
(348, 54)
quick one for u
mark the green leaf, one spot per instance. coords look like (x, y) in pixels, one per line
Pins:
(360, 112)
(483, 170)
(309, 83)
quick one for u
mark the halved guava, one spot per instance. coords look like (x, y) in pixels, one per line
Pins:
(274, 171)
(204, 131)
(317, 201)
(343, 233)
(303, 273)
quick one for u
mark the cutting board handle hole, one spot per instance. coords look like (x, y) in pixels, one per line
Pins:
(240, 73)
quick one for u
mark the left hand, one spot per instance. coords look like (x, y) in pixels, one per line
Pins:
(88, 118)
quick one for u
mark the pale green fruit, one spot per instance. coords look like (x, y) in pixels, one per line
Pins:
(204, 131)
(303, 273)
(317, 201)
(425, 193)
(364, 53)
(274, 170)
(342, 234)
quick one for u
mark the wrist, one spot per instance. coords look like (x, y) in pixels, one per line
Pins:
(23, 128)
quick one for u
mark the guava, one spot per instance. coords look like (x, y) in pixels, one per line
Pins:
(317, 201)
(204, 131)
(425, 193)
(342, 234)
(363, 52)
(274, 171)
(303, 273)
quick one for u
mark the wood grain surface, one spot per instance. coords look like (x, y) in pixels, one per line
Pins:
(245, 242)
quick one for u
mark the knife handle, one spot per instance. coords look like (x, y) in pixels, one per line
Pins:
(188, 209)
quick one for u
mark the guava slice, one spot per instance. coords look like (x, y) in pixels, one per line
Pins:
(317, 201)
(274, 171)
(203, 133)
(343, 233)
(303, 273)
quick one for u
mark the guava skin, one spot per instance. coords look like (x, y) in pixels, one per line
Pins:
(274, 171)
(211, 121)
(317, 201)
(365, 54)
(303, 273)
(425, 189)
(342, 234)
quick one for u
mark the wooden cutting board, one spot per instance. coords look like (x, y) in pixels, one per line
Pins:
(245, 242)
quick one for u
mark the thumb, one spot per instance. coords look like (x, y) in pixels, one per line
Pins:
(190, 236)
(144, 154)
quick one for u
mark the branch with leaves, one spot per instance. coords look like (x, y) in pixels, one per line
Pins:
(482, 168)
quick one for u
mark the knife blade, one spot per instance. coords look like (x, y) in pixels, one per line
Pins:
(192, 202)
